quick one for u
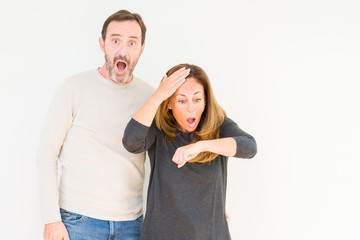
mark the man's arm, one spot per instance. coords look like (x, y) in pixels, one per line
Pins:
(57, 124)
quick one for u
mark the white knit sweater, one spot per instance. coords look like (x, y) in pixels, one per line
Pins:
(84, 129)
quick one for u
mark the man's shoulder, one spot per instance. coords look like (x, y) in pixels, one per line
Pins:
(85, 75)
(79, 79)
(144, 85)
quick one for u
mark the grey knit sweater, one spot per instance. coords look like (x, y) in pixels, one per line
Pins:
(188, 202)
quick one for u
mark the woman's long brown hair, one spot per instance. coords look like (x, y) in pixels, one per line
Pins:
(211, 119)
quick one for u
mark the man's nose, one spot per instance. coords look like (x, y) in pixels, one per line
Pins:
(123, 51)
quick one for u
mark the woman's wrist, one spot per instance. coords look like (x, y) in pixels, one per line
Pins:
(202, 145)
(156, 99)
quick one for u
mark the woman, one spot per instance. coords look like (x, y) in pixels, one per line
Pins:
(189, 143)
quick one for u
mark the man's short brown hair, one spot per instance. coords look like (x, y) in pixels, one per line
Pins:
(124, 15)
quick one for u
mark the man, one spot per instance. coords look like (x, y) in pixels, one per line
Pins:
(100, 193)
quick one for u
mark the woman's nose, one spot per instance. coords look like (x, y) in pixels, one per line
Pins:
(191, 106)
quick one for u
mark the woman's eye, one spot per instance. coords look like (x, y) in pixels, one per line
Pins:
(198, 100)
(132, 43)
(181, 101)
(115, 41)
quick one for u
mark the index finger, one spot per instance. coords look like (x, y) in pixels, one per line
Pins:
(180, 73)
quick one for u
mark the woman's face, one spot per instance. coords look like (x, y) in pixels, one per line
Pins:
(188, 104)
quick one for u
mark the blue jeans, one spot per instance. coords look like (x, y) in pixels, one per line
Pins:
(81, 227)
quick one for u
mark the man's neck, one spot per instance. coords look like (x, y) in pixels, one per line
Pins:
(104, 73)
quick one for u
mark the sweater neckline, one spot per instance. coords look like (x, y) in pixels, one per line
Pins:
(110, 83)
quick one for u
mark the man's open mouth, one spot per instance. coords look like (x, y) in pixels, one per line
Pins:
(121, 66)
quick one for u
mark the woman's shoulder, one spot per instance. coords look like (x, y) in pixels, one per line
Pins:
(228, 122)
(229, 128)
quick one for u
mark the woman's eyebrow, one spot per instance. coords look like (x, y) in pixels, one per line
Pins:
(184, 95)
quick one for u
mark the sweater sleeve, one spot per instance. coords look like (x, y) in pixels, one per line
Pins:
(138, 137)
(246, 146)
(57, 124)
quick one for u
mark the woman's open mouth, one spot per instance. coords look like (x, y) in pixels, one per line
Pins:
(191, 122)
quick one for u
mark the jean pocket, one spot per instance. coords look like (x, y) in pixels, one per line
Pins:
(139, 222)
(71, 217)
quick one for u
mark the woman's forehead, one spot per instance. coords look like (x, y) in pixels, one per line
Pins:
(190, 88)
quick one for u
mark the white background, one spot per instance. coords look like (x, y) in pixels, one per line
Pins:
(286, 71)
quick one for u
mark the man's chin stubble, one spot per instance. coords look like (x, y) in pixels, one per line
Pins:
(121, 81)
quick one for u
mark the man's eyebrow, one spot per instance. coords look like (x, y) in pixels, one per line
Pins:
(119, 35)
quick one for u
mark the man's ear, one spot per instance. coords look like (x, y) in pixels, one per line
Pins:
(102, 44)
(142, 49)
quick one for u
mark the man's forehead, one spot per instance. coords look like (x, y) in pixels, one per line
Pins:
(124, 28)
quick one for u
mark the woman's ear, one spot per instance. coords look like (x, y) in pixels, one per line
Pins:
(169, 105)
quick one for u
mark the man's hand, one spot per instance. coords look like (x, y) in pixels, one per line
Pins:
(55, 231)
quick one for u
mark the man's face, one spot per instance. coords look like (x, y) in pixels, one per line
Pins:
(122, 48)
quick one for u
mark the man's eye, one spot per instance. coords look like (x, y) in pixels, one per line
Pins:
(115, 41)
(132, 43)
